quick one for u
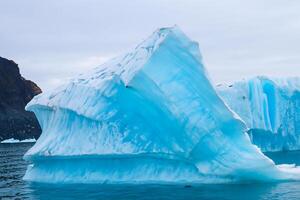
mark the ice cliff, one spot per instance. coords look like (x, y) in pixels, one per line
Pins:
(271, 109)
(151, 115)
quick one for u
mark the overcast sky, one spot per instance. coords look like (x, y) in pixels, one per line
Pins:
(55, 40)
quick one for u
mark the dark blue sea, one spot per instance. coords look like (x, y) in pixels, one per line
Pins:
(12, 169)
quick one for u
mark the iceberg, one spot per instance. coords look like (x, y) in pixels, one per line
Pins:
(12, 140)
(149, 116)
(270, 107)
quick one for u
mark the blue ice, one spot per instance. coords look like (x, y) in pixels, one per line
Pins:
(151, 115)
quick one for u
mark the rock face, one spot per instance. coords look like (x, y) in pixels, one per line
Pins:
(15, 93)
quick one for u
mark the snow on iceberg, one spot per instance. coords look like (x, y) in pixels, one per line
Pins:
(151, 115)
(271, 109)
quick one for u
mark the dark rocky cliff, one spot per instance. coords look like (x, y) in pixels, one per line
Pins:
(15, 93)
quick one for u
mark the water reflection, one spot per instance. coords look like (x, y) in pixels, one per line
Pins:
(145, 192)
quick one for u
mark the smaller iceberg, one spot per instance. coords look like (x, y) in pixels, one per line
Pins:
(12, 140)
(270, 107)
(151, 115)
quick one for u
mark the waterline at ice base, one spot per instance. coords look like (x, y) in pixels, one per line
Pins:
(149, 116)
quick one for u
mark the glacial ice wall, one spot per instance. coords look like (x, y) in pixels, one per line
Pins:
(271, 109)
(151, 115)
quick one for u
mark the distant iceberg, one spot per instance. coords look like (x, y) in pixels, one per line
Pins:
(271, 109)
(151, 115)
(12, 140)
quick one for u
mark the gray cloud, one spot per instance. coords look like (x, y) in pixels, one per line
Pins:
(55, 40)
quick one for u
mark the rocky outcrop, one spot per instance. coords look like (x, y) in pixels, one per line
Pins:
(15, 93)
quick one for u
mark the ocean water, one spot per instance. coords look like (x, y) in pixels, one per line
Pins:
(12, 169)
